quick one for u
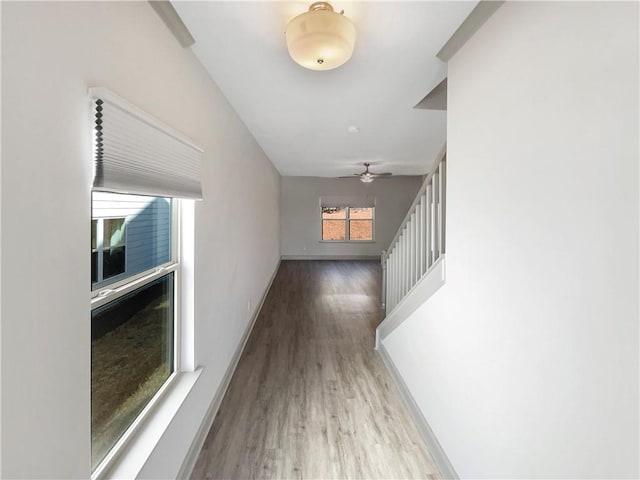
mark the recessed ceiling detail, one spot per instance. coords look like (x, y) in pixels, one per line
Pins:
(301, 117)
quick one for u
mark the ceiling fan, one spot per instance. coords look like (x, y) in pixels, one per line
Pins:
(367, 176)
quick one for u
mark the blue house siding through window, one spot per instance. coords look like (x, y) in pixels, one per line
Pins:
(147, 230)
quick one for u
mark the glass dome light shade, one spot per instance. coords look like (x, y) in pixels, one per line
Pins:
(320, 39)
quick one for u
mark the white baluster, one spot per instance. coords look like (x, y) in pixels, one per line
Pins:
(408, 264)
(418, 241)
(396, 293)
(443, 204)
(383, 291)
(412, 250)
(392, 282)
(395, 274)
(423, 234)
(436, 215)
(429, 221)
(405, 266)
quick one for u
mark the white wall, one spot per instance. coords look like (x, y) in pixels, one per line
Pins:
(525, 363)
(51, 54)
(300, 223)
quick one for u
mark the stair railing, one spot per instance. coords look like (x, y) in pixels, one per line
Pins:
(420, 240)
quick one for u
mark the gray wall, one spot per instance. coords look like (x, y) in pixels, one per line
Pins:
(525, 363)
(300, 222)
(51, 54)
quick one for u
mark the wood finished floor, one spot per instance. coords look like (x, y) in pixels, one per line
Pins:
(310, 397)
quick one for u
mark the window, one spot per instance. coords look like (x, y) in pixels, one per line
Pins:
(133, 349)
(347, 223)
(141, 166)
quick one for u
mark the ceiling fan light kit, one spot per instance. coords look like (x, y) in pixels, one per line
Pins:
(367, 176)
(320, 39)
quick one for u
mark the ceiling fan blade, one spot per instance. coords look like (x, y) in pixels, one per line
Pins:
(386, 174)
(351, 176)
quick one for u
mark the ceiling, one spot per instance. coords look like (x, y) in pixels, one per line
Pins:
(300, 117)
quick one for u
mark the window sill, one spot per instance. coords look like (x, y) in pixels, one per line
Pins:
(346, 241)
(129, 461)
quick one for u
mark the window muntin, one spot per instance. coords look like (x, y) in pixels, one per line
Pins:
(347, 223)
(133, 318)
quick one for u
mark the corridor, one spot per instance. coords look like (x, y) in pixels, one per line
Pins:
(310, 397)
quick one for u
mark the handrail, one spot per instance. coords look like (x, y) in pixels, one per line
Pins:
(420, 240)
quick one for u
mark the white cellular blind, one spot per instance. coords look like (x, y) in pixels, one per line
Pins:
(135, 153)
(347, 201)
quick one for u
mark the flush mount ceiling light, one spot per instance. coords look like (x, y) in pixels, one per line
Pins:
(320, 39)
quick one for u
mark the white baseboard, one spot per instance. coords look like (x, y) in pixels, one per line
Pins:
(196, 445)
(330, 257)
(434, 447)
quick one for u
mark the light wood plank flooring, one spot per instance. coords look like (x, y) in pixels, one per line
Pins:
(310, 398)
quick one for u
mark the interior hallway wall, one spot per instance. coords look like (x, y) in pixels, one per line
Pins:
(301, 225)
(525, 363)
(51, 53)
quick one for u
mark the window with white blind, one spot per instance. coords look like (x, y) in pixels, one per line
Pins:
(142, 170)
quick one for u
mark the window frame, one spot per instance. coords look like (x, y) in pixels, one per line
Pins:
(347, 227)
(108, 293)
